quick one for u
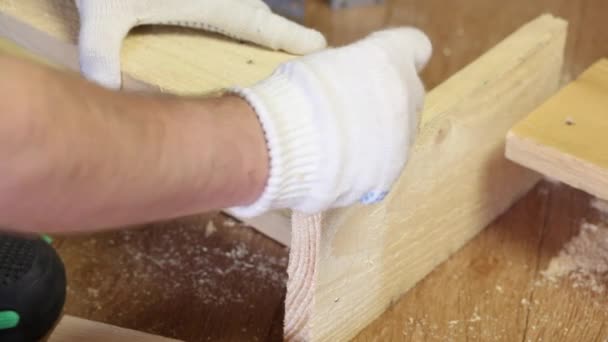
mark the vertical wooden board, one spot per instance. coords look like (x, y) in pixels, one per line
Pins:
(457, 181)
(494, 289)
(566, 138)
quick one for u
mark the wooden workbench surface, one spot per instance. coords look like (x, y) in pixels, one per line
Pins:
(186, 280)
(193, 281)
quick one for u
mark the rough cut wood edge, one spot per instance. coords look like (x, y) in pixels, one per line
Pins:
(74, 329)
(175, 61)
(456, 182)
(276, 225)
(566, 138)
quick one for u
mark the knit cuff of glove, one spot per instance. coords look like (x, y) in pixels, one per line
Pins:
(293, 144)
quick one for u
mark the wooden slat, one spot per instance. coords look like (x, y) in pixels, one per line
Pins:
(169, 59)
(74, 329)
(567, 137)
(456, 182)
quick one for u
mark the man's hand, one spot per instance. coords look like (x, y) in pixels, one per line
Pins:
(105, 23)
(339, 123)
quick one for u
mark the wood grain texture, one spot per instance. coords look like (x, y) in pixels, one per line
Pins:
(566, 137)
(169, 59)
(493, 289)
(73, 329)
(456, 182)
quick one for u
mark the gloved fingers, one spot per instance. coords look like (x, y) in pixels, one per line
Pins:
(406, 44)
(409, 51)
(99, 48)
(267, 29)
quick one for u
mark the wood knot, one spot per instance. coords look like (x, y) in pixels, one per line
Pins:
(443, 132)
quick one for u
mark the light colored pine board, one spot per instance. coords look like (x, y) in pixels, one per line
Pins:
(74, 329)
(174, 60)
(456, 182)
(180, 61)
(566, 138)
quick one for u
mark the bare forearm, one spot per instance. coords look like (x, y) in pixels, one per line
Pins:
(75, 156)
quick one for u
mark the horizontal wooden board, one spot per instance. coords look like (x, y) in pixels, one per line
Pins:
(566, 138)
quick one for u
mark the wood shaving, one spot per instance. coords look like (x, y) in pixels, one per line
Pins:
(601, 206)
(210, 229)
(584, 259)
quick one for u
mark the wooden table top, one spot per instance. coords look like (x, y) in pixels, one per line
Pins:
(194, 281)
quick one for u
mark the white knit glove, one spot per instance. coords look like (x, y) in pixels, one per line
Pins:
(105, 23)
(339, 123)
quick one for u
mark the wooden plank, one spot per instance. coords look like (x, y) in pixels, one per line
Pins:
(74, 329)
(566, 137)
(493, 289)
(170, 59)
(456, 182)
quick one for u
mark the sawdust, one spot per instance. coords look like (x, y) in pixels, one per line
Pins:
(229, 222)
(185, 261)
(584, 259)
(552, 181)
(93, 292)
(601, 206)
(210, 229)
(206, 270)
(475, 318)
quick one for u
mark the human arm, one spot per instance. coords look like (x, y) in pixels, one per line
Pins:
(337, 127)
(338, 123)
(75, 156)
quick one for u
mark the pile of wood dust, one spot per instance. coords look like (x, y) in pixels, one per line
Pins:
(186, 261)
(601, 206)
(584, 259)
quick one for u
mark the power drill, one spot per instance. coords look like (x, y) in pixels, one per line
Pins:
(32, 288)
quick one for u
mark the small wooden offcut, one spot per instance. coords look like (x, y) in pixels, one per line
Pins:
(567, 137)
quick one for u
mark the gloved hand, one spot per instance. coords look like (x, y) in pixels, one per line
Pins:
(105, 23)
(339, 123)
